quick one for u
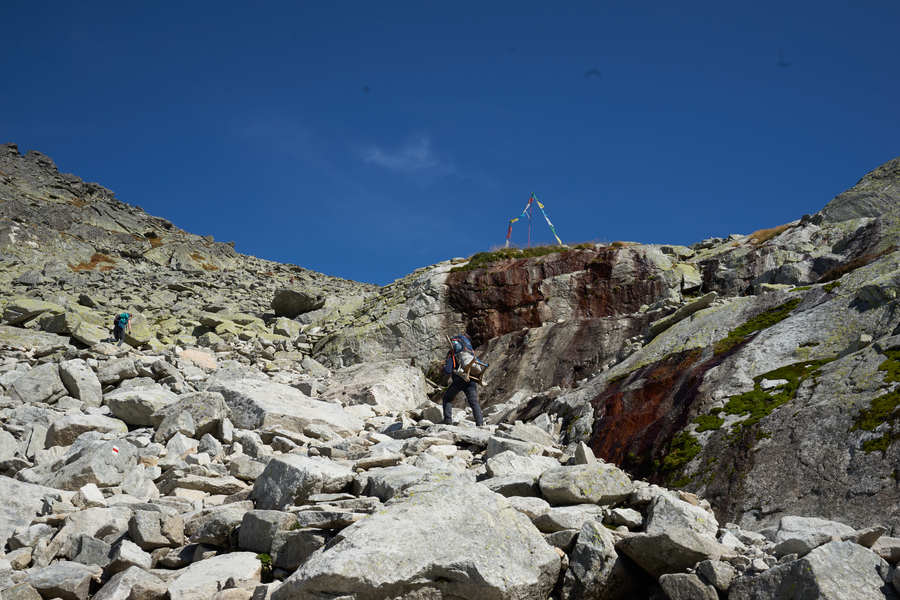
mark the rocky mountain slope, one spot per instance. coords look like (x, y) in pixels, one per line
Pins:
(267, 430)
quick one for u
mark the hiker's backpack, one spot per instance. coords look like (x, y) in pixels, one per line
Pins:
(465, 363)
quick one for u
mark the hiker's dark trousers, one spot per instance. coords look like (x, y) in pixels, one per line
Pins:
(119, 334)
(471, 389)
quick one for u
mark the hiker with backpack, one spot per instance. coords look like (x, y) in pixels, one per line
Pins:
(120, 323)
(464, 369)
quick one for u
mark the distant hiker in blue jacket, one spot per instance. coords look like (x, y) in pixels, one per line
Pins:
(461, 348)
(120, 324)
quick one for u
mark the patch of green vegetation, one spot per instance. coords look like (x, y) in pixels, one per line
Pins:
(682, 449)
(757, 323)
(879, 444)
(708, 422)
(265, 561)
(759, 403)
(891, 366)
(483, 259)
(830, 286)
(880, 411)
(802, 288)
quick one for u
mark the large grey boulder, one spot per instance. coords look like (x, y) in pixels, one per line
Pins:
(258, 528)
(595, 570)
(41, 384)
(21, 591)
(834, 571)
(527, 432)
(292, 303)
(292, 548)
(257, 404)
(137, 406)
(511, 463)
(245, 468)
(88, 550)
(671, 551)
(81, 381)
(487, 551)
(215, 525)
(152, 529)
(666, 511)
(389, 386)
(104, 463)
(560, 518)
(207, 411)
(9, 445)
(292, 478)
(598, 483)
(126, 554)
(201, 580)
(20, 505)
(64, 431)
(20, 309)
(120, 585)
(498, 445)
(686, 586)
(799, 535)
(286, 327)
(91, 522)
(66, 580)
(114, 371)
(513, 485)
(887, 548)
(718, 573)
(29, 338)
(386, 482)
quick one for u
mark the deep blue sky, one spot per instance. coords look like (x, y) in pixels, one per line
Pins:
(365, 139)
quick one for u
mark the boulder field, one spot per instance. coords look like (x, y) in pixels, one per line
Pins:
(713, 421)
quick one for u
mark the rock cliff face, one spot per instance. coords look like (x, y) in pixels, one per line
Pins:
(672, 378)
(268, 421)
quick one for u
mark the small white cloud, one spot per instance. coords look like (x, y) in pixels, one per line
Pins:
(416, 155)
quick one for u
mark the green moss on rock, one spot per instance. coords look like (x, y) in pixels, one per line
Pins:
(880, 411)
(759, 403)
(879, 444)
(891, 366)
(682, 449)
(708, 422)
(757, 323)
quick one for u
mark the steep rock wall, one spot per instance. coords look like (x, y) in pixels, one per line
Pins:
(574, 285)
